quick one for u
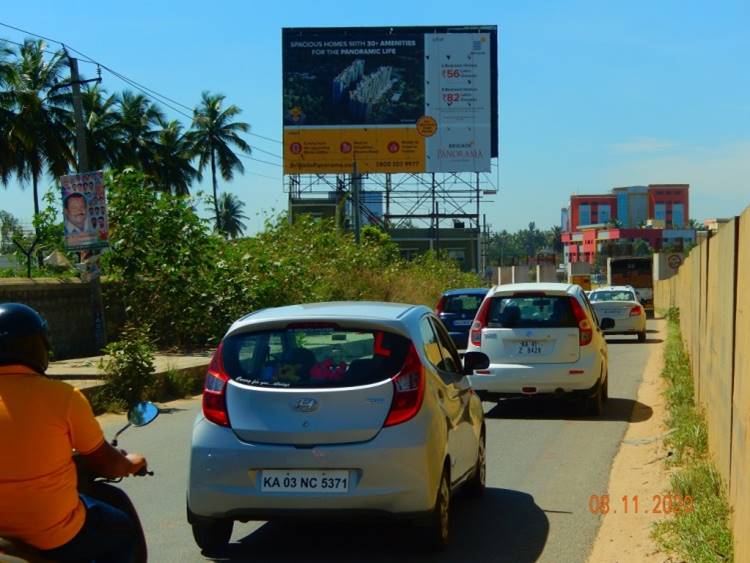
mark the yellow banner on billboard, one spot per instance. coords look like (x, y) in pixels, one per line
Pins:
(335, 150)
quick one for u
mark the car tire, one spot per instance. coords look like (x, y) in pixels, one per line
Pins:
(476, 485)
(605, 389)
(595, 404)
(212, 535)
(642, 336)
(437, 534)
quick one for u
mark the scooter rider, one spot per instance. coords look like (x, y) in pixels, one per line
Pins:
(41, 422)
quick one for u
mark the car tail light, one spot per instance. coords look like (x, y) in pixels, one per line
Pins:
(408, 390)
(480, 321)
(585, 330)
(440, 306)
(214, 391)
(635, 311)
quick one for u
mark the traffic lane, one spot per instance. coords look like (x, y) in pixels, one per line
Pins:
(160, 499)
(548, 449)
(503, 525)
(544, 461)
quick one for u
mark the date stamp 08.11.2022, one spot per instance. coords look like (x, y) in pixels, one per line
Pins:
(634, 504)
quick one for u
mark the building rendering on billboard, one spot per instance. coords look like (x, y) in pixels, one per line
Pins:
(389, 99)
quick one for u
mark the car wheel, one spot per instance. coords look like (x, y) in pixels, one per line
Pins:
(605, 389)
(595, 404)
(438, 530)
(211, 535)
(476, 485)
(642, 336)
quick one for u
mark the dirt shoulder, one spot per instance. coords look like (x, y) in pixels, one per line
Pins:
(638, 469)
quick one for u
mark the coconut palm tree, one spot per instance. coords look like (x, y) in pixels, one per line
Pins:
(139, 121)
(230, 221)
(38, 115)
(103, 127)
(173, 154)
(214, 134)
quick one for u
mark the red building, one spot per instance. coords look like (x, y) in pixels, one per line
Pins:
(592, 210)
(669, 203)
(657, 214)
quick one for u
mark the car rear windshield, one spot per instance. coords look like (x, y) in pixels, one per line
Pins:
(313, 357)
(531, 312)
(623, 295)
(464, 304)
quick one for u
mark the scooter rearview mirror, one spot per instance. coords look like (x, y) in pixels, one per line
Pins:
(143, 413)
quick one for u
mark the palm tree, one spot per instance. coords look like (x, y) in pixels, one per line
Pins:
(213, 135)
(230, 220)
(173, 153)
(139, 117)
(40, 121)
(7, 162)
(103, 127)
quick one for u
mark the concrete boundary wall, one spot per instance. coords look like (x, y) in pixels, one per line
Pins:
(739, 490)
(67, 307)
(712, 292)
(716, 384)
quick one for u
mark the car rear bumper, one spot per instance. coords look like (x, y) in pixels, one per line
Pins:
(568, 395)
(533, 379)
(630, 325)
(395, 473)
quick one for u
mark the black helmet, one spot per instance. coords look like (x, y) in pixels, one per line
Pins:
(23, 337)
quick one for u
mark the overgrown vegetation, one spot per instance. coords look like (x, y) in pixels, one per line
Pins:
(703, 534)
(128, 370)
(171, 271)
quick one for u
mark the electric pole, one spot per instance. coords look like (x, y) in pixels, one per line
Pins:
(75, 81)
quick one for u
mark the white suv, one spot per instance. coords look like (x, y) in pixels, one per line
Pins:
(541, 338)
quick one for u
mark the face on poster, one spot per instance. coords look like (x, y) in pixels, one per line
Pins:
(84, 210)
(402, 99)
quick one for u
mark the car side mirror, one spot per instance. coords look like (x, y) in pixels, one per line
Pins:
(606, 323)
(475, 360)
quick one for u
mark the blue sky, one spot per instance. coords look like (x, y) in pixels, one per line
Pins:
(592, 94)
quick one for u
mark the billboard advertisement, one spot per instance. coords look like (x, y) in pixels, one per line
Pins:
(84, 210)
(401, 99)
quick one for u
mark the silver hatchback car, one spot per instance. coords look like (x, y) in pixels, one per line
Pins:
(349, 408)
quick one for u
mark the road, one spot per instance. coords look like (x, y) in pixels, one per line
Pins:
(544, 462)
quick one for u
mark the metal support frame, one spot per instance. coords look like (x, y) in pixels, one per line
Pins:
(417, 200)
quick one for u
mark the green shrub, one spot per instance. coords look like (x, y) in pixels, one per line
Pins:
(128, 369)
(170, 270)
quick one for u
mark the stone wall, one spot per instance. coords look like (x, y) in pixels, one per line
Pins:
(65, 304)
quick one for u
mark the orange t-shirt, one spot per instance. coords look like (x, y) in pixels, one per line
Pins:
(41, 422)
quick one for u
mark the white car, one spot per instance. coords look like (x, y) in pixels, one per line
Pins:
(541, 338)
(621, 304)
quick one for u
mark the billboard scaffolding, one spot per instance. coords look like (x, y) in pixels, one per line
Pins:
(409, 113)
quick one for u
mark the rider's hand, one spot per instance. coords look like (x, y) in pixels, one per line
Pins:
(137, 463)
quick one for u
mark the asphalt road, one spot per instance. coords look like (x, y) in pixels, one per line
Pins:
(544, 462)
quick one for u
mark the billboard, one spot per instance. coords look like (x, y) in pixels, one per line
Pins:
(84, 210)
(393, 99)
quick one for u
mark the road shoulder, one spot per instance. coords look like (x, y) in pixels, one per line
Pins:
(638, 469)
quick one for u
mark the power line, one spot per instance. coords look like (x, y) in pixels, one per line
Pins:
(248, 157)
(266, 138)
(266, 152)
(140, 87)
(30, 33)
(263, 175)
